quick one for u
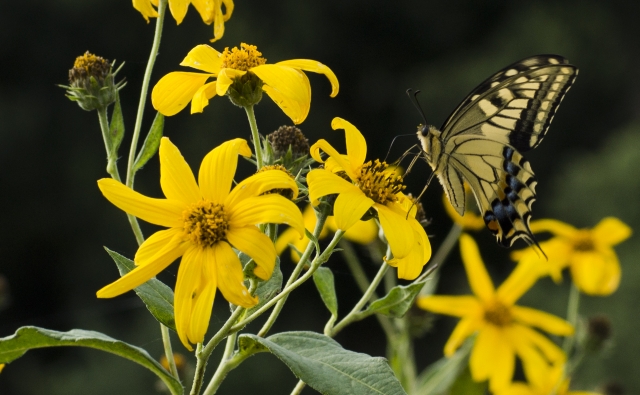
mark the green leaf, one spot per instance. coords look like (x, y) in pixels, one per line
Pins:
(30, 337)
(268, 289)
(464, 385)
(323, 277)
(155, 294)
(151, 143)
(440, 376)
(397, 302)
(116, 127)
(325, 366)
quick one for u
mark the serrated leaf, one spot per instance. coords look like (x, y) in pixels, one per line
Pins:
(155, 294)
(268, 289)
(323, 278)
(30, 337)
(151, 143)
(397, 302)
(116, 127)
(440, 376)
(325, 366)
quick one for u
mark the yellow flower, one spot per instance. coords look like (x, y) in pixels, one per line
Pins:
(1, 367)
(503, 329)
(284, 81)
(363, 232)
(588, 253)
(471, 220)
(549, 381)
(205, 223)
(362, 186)
(210, 11)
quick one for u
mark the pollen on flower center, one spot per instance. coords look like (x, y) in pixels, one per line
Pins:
(88, 65)
(498, 314)
(205, 223)
(584, 242)
(378, 183)
(242, 59)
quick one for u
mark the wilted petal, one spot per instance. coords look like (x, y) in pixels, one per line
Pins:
(176, 178)
(163, 212)
(315, 67)
(230, 276)
(219, 167)
(356, 144)
(203, 58)
(288, 88)
(175, 90)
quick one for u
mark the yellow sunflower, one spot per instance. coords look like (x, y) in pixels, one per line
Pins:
(550, 380)
(206, 222)
(503, 329)
(210, 11)
(285, 82)
(363, 232)
(363, 186)
(588, 253)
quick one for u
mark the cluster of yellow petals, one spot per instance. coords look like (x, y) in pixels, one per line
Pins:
(406, 237)
(206, 221)
(504, 330)
(547, 380)
(210, 11)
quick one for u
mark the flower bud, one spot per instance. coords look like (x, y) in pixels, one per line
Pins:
(598, 333)
(91, 82)
(288, 147)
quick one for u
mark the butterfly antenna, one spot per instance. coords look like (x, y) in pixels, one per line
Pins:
(413, 96)
(394, 140)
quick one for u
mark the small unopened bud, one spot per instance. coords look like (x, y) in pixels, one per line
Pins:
(598, 332)
(613, 388)
(91, 82)
(288, 138)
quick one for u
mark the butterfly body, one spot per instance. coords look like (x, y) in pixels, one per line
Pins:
(481, 142)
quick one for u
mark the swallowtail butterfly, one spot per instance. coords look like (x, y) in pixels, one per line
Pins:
(481, 142)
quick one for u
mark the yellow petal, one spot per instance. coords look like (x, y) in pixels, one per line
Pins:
(176, 178)
(218, 23)
(421, 239)
(154, 244)
(225, 79)
(322, 183)
(315, 67)
(260, 183)
(520, 281)
(341, 161)
(257, 245)
(484, 352)
(479, 279)
(272, 208)
(288, 88)
(178, 9)
(549, 349)
(145, 8)
(141, 274)
(457, 306)
(536, 367)
(410, 266)
(465, 328)
(356, 144)
(554, 226)
(175, 90)
(397, 231)
(206, 9)
(189, 278)
(203, 296)
(230, 276)
(503, 362)
(201, 97)
(596, 273)
(203, 58)
(228, 5)
(349, 207)
(543, 320)
(163, 212)
(219, 167)
(611, 231)
(362, 232)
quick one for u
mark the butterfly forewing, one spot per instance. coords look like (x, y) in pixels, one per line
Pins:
(482, 139)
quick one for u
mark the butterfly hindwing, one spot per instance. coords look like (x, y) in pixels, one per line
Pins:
(481, 141)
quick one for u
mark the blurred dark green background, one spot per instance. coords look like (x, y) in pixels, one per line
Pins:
(55, 221)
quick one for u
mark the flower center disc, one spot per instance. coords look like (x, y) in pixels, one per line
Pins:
(205, 223)
(242, 59)
(498, 315)
(584, 242)
(378, 183)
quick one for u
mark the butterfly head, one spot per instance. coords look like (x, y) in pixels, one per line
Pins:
(430, 141)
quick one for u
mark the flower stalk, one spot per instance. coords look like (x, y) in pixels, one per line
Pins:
(255, 136)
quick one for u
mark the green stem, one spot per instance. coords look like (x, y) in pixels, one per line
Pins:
(444, 250)
(223, 369)
(162, 6)
(572, 317)
(166, 341)
(255, 135)
(298, 388)
(355, 312)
